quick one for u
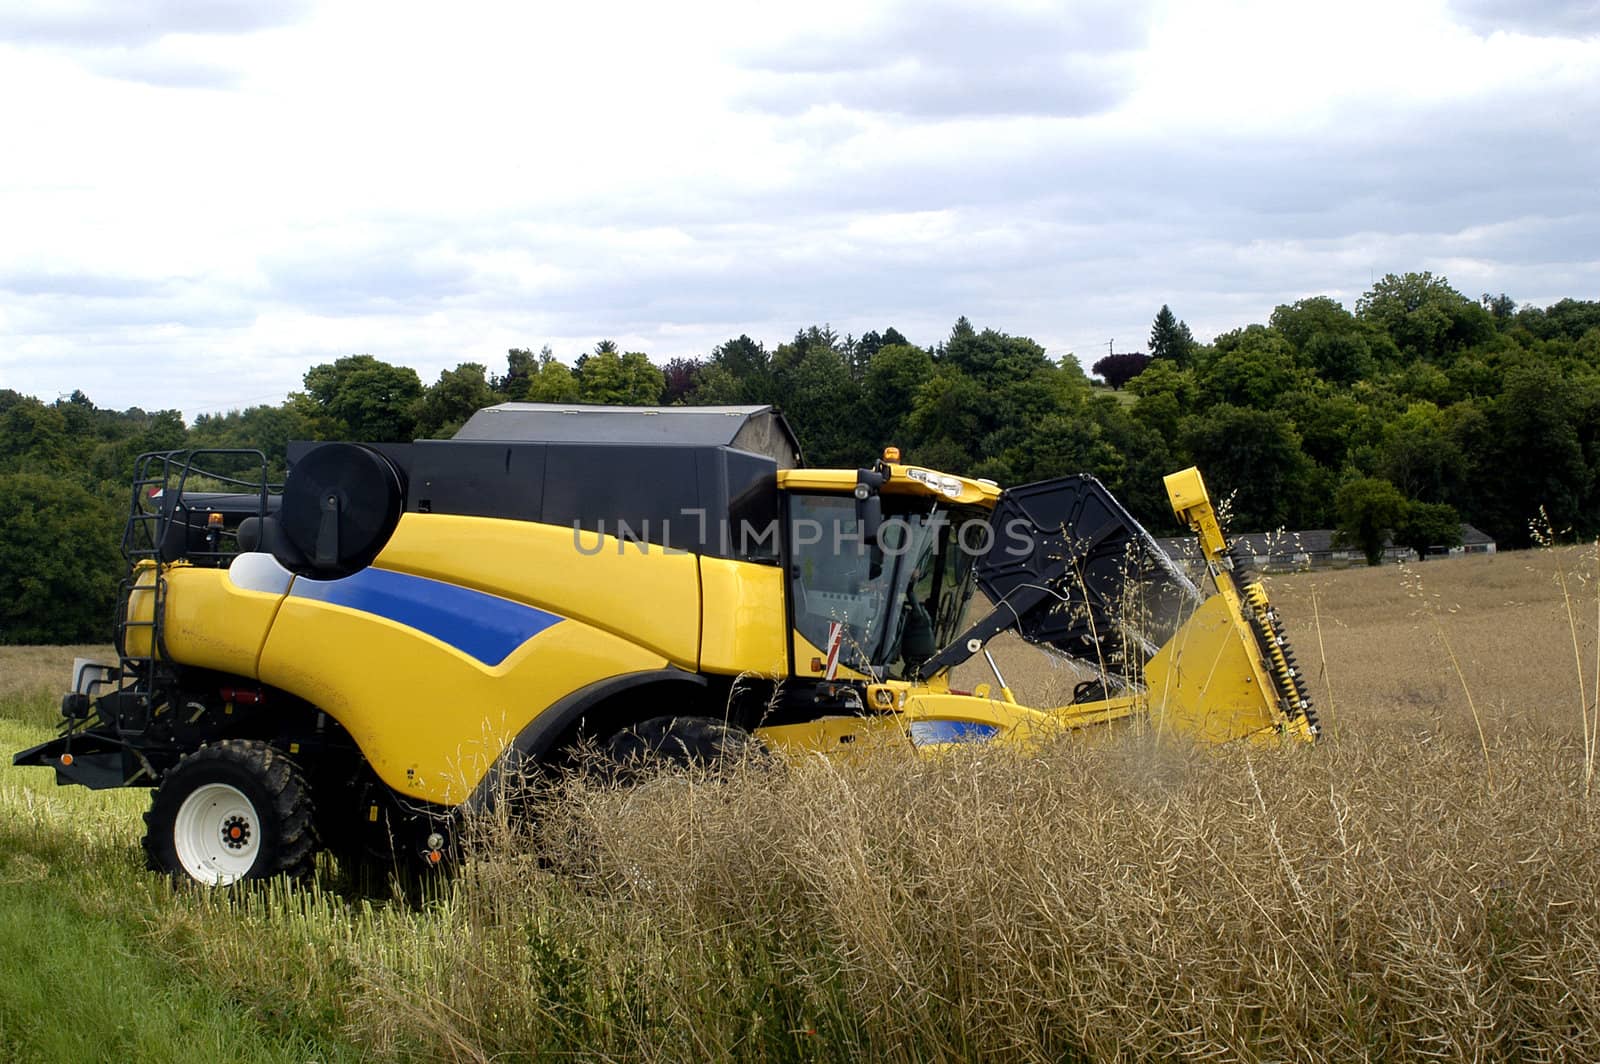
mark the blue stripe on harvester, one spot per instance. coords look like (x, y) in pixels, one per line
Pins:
(926, 732)
(485, 626)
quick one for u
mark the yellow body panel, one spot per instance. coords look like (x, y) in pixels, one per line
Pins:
(645, 594)
(832, 735)
(816, 479)
(1205, 682)
(744, 618)
(141, 608)
(209, 622)
(903, 479)
(900, 705)
(430, 718)
(1017, 723)
(215, 624)
(1191, 502)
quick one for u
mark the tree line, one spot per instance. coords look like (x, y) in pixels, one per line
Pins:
(1414, 410)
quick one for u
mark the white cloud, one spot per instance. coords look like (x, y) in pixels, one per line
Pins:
(79, 23)
(942, 59)
(201, 203)
(1541, 18)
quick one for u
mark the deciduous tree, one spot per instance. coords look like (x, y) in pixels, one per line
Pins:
(371, 400)
(1255, 457)
(59, 563)
(893, 377)
(1251, 367)
(1118, 369)
(680, 375)
(457, 395)
(1426, 525)
(630, 379)
(1369, 510)
(1425, 316)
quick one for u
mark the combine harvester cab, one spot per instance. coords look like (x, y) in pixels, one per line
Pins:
(400, 633)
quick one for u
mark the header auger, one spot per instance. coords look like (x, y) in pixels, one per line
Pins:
(355, 658)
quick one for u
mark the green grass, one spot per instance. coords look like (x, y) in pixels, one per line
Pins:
(40, 710)
(85, 972)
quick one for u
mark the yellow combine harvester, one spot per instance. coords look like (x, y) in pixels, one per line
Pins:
(357, 658)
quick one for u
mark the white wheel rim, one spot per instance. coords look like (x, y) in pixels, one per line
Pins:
(217, 834)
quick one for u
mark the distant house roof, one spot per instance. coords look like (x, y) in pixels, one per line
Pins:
(1311, 541)
(759, 429)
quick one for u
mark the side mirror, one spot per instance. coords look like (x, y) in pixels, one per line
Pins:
(869, 518)
(869, 507)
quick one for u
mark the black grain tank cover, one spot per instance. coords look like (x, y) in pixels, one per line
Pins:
(686, 482)
(1112, 596)
(754, 429)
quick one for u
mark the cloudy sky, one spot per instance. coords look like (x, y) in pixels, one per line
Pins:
(199, 199)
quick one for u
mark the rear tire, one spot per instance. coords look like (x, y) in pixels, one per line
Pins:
(229, 811)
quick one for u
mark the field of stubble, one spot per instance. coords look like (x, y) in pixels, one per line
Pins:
(1419, 886)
